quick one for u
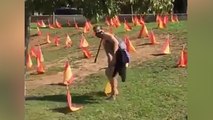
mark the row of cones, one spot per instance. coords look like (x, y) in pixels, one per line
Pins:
(68, 43)
(161, 21)
(164, 50)
(41, 24)
(37, 53)
(87, 27)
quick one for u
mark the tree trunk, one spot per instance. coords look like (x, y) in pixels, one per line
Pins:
(27, 35)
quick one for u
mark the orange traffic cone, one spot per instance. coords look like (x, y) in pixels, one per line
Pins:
(76, 25)
(141, 21)
(39, 31)
(39, 24)
(43, 24)
(29, 61)
(68, 76)
(160, 23)
(86, 27)
(69, 102)
(143, 32)
(165, 48)
(127, 27)
(117, 21)
(33, 52)
(56, 41)
(40, 55)
(58, 25)
(176, 18)
(107, 22)
(86, 52)
(182, 62)
(83, 42)
(68, 41)
(129, 45)
(40, 67)
(165, 20)
(137, 22)
(157, 18)
(68, 23)
(48, 38)
(152, 38)
(51, 26)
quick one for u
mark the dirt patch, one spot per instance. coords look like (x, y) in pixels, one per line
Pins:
(86, 67)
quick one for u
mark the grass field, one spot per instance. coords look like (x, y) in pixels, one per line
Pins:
(154, 90)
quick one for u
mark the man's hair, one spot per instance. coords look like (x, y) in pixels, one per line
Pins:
(97, 29)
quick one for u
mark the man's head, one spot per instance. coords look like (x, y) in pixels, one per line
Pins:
(98, 31)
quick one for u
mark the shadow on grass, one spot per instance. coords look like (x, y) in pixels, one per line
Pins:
(158, 54)
(76, 98)
(64, 110)
(143, 44)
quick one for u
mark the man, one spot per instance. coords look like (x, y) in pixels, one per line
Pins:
(117, 58)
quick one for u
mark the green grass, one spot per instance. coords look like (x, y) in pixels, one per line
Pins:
(154, 90)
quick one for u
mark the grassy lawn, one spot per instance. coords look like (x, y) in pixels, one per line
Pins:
(154, 90)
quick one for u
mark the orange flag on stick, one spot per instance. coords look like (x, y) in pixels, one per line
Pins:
(129, 45)
(40, 67)
(143, 32)
(127, 27)
(166, 48)
(86, 52)
(69, 102)
(68, 41)
(182, 62)
(29, 61)
(68, 76)
(83, 42)
(152, 38)
(56, 41)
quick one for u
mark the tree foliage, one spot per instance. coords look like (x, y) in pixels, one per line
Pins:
(101, 8)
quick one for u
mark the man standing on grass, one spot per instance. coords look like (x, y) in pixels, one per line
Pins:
(117, 58)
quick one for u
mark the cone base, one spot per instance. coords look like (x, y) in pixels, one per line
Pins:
(40, 72)
(182, 66)
(74, 108)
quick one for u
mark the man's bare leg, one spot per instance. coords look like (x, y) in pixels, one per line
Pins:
(114, 92)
